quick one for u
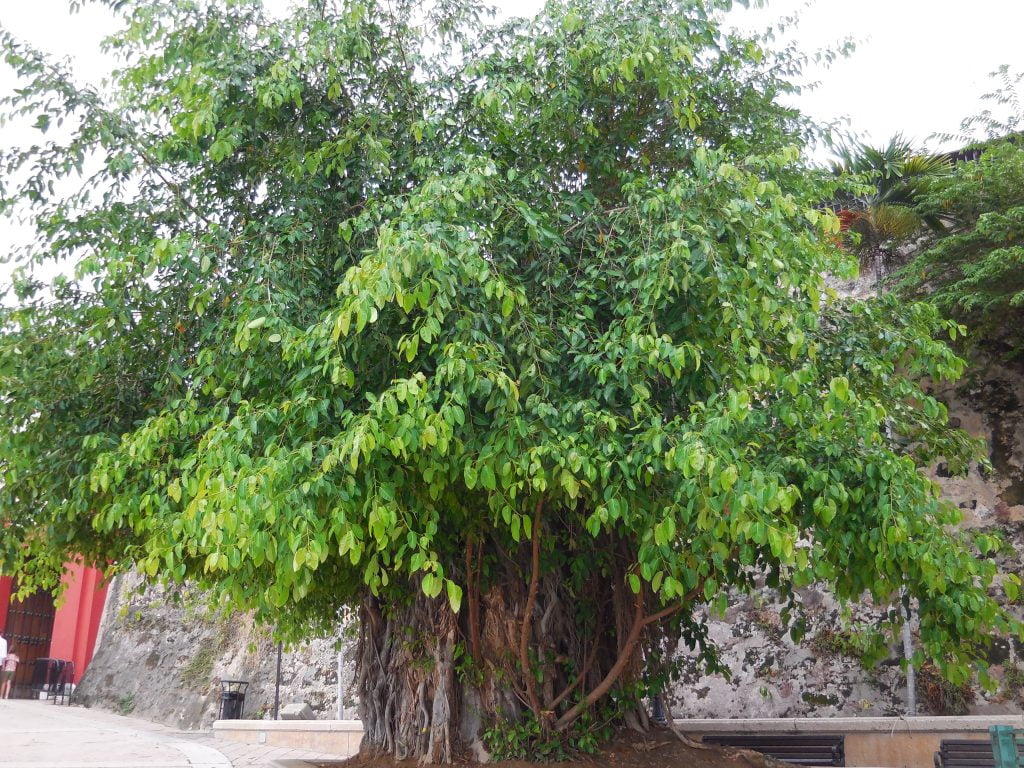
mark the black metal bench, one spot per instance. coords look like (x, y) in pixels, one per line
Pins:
(967, 753)
(798, 748)
(53, 677)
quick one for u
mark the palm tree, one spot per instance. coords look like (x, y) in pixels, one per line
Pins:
(892, 180)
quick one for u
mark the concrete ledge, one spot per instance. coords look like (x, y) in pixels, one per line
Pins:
(966, 724)
(886, 742)
(336, 737)
(328, 726)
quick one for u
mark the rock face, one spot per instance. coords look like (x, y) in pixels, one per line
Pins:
(989, 403)
(774, 677)
(161, 657)
(163, 660)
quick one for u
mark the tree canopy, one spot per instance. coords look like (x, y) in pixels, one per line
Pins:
(380, 305)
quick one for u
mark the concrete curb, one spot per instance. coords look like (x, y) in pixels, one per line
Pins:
(890, 742)
(925, 724)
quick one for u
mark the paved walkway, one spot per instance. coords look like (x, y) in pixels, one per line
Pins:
(39, 734)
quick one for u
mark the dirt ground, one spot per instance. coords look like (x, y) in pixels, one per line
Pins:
(657, 750)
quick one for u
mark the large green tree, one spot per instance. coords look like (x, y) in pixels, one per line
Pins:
(514, 338)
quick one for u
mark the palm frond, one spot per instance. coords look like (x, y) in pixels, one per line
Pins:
(894, 222)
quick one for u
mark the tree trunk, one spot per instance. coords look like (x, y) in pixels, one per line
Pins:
(406, 681)
(431, 682)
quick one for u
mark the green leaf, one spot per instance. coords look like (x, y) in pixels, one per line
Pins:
(1011, 587)
(487, 479)
(634, 583)
(710, 588)
(570, 484)
(727, 478)
(454, 595)
(432, 585)
(840, 387)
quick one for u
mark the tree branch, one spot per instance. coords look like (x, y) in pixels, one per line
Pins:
(473, 600)
(628, 648)
(587, 665)
(617, 668)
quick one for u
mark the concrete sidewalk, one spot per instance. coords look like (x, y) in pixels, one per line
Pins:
(39, 734)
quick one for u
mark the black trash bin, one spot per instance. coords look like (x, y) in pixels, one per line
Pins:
(232, 699)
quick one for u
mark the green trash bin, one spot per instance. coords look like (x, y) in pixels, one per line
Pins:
(1007, 743)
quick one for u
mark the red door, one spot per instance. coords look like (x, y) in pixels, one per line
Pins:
(29, 631)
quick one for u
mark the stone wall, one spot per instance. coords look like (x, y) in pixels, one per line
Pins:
(162, 656)
(989, 403)
(774, 677)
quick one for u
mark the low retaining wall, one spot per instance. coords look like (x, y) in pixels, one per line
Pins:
(886, 742)
(883, 742)
(335, 737)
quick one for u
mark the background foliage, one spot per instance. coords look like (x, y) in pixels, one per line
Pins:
(974, 272)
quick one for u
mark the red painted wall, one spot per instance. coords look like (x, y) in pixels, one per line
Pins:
(5, 600)
(77, 621)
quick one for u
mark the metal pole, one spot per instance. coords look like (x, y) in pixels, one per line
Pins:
(341, 710)
(908, 637)
(277, 684)
(908, 655)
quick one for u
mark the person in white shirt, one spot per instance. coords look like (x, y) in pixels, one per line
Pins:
(3, 646)
(8, 666)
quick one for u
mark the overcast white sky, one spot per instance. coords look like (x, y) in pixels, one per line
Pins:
(919, 68)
